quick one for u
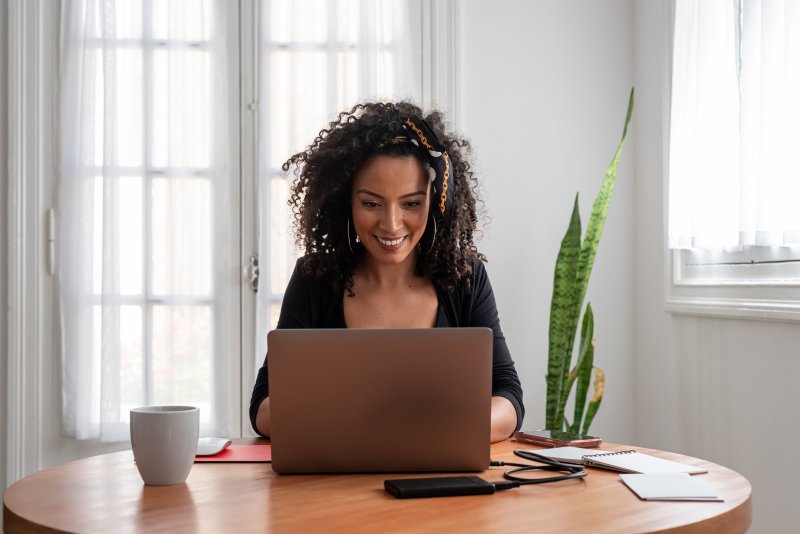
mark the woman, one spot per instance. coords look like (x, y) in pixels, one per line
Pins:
(385, 208)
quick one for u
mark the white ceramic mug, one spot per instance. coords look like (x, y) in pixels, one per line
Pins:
(164, 442)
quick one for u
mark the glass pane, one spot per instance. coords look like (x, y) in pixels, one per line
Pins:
(94, 103)
(385, 80)
(347, 91)
(181, 237)
(283, 254)
(120, 200)
(389, 13)
(92, 23)
(275, 314)
(182, 357)
(298, 20)
(347, 20)
(129, 19)
(131, 361)
(97, 236)
(181, 130)
(97, 343)
(128, 130)
(276, 125)
(131, 246)
(182, 20)
(298, 107)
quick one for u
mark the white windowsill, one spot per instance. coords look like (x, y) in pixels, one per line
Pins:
(737, 296)
(734, 308)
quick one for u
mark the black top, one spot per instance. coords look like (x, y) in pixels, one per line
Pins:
(311, 303)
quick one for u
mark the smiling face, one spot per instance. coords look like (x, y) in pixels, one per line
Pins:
(390, 200)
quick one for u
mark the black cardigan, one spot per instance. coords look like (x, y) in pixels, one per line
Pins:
(311, 303)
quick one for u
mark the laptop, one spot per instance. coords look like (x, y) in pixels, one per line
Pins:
(380, 400)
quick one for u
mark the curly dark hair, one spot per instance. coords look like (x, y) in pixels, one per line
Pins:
(321, 193)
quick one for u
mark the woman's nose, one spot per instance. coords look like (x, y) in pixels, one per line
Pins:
(392, 219)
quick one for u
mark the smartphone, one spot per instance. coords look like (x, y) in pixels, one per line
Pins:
(557, 438)
(438, 487)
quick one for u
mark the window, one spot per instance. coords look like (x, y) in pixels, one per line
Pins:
(734, 231)
(351, 50)
(175, 117)
(148, 208)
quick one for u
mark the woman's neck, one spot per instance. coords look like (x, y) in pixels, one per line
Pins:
(387, 276)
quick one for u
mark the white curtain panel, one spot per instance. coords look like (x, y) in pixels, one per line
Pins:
(145, 212)
(770, 122)
(735, 124)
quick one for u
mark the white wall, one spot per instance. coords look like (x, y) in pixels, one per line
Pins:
(544, 93)
(720, 389)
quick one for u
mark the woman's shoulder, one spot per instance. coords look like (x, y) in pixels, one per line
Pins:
(309, 302)
(478, 267)
(476, 278)
(306, 272)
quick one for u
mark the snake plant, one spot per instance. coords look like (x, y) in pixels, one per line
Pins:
(573, 267)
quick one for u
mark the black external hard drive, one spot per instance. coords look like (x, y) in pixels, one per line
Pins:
(409, 488)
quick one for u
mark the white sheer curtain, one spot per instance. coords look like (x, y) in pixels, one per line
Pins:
(735, 124)
(144, 206)
(318, 57)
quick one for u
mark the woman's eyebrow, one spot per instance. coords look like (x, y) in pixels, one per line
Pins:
(376, 195)
(368, 192)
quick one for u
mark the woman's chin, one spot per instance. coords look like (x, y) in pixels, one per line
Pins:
(393, 255)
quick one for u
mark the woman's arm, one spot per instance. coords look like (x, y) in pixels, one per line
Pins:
(295, 313)
(504, 419)
(262, 418)
(507, 407)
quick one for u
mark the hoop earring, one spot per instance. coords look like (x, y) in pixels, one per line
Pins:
(349, 243)
(433, 239)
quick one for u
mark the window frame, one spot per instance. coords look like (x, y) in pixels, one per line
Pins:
(748, 282)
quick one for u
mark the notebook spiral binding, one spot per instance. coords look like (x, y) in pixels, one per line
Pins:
(608, 453)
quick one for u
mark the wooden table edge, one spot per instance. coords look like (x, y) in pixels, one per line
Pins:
(736, 519)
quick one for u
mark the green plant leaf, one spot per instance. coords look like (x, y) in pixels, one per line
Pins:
(597, 219)
(583, 369)
(586, 338)
(562, 322)
(597, 398)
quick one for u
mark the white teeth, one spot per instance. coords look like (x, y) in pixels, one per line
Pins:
(390, 242)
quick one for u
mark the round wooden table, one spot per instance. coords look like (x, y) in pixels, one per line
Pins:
(105, 494)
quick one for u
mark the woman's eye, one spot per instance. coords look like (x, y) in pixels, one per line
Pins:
(370, 204)
(413, 204)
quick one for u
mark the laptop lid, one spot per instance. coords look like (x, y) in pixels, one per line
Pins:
(380, 400)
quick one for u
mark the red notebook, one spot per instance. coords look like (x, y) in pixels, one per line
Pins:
(240, 453)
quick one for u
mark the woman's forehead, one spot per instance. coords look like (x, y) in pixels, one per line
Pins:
(392, 175)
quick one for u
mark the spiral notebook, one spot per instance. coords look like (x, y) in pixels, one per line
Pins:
(629, 461)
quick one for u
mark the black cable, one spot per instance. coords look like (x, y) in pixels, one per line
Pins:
(548, 464)
(472, 485)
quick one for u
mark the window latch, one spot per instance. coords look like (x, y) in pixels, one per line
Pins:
(252, 272)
